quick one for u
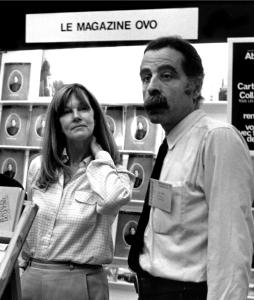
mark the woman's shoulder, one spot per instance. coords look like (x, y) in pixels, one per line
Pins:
(35, 162)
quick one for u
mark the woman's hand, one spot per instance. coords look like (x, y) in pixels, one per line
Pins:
(95, 147)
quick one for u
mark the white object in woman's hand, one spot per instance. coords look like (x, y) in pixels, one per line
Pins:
(95, 147)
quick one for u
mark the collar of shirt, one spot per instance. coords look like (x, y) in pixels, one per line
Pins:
(65, 158)
(185, 124)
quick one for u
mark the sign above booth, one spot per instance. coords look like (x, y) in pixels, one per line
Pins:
(124, 25)
(241, 87)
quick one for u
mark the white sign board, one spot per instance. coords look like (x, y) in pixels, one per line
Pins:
(124, 25)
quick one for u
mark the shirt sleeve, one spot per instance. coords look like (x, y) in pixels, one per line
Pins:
(32, 174)
(229, 184)
(112, 184)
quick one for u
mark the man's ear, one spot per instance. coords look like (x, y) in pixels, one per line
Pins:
(194, 87)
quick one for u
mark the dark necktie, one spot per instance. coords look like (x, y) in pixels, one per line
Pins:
(138, 242)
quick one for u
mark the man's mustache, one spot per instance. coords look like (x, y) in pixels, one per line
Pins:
(157, 101)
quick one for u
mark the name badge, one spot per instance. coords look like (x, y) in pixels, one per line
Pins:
(160, 195)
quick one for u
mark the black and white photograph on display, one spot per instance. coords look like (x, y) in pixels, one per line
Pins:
(140, 133)
(37, 125)
(12, 163)
(141, 166)
(9, 167)
(14, 125)
(114, 117)
(126, 229)
(138, 170)
(16, 79)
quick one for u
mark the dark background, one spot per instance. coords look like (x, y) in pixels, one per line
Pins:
(217, 19)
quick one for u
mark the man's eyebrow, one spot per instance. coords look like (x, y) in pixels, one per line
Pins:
(144, 70)
(160, 68)
(167, 67)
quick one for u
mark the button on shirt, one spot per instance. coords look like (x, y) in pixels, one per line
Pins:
(208, 233)
(74, 221)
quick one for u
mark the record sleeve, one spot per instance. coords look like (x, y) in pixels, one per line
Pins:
(140, 133)
(141, 166)
(37, 125)
(126, 228)
(14, 125)
(12, 163)
(16, 80)
(115, 120)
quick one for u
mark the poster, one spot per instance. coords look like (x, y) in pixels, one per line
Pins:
(140, 133)
(16, 80)
(115, 121)
(12, 163)
(241, 87)
(14, 125)
(37, 125)
(126, 228)
(141, 166)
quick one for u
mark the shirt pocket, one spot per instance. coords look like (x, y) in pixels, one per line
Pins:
(85, 197)
(164, 222)
(36, 194)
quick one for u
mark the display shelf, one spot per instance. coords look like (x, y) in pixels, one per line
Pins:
(40, 101)
(120, 283)
(142, 152)
(17, 147)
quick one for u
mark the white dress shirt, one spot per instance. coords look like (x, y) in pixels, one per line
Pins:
(74, 221)
(209, 232)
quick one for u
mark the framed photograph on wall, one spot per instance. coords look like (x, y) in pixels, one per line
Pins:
(14, 125)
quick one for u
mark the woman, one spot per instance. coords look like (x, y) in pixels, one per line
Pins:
(79, 187)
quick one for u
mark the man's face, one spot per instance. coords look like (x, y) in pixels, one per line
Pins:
(167, 91)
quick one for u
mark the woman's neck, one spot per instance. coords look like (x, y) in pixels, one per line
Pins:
(77, 152)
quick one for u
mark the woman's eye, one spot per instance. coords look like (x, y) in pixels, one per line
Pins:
(66, 111)
(84, 108)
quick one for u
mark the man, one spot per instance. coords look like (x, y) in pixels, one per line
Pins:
(197, 242)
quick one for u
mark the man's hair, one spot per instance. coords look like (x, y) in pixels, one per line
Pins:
(54, 141)
(192, 63)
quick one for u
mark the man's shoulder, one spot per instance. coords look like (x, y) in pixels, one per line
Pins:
(211, 124)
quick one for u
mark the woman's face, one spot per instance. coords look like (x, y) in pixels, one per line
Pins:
(77, 120)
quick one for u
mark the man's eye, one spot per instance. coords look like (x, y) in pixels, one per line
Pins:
(166, 76)
(145, 78)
